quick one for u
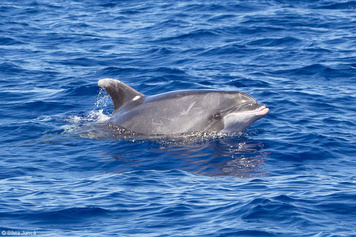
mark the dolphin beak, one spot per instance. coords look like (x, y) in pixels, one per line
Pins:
(262, 110)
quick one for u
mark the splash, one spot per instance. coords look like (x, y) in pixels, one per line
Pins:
(88, 125)
(102, 99)
(96, 115)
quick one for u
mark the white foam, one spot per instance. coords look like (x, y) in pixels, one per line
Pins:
(74, 119)
(97, 116)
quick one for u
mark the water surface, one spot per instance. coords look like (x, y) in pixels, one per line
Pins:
(291, 173)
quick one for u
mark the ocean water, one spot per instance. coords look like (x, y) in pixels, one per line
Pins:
(292, 173)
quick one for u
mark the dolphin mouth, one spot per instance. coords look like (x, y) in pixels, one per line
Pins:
(263, 110)
(260, 110)
(252, 109)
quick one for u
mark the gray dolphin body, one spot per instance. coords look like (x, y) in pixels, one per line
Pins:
(181, 112)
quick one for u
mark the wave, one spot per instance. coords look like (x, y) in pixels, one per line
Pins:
(275, 42)
(348, 5)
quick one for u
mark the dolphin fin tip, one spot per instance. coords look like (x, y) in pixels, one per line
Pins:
(104, 83)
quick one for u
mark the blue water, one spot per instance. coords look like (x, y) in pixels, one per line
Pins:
(292, 173)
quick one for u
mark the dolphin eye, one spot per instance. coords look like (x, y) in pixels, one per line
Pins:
(217, 116)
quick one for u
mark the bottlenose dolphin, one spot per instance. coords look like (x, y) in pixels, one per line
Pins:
(181, 112)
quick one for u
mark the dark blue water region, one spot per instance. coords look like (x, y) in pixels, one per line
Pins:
(291, 173)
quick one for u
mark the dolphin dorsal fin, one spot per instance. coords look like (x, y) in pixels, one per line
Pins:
(119, 92)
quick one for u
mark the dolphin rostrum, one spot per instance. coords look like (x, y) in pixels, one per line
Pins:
(181, 112)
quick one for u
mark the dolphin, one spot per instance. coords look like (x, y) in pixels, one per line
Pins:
(181, 112)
